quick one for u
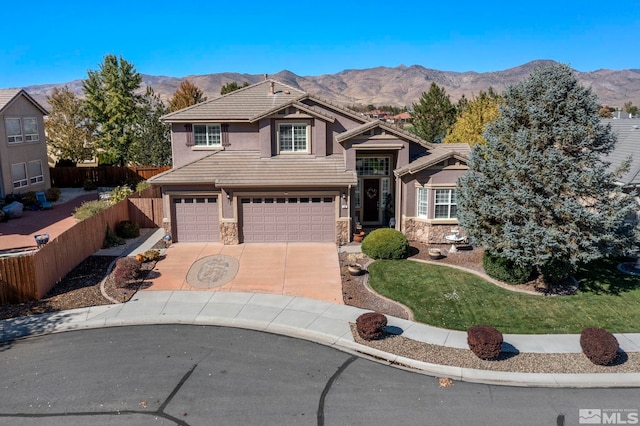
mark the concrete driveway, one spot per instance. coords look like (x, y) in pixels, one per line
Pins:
(296, 269)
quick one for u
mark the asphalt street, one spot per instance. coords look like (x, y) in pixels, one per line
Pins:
(205, 375)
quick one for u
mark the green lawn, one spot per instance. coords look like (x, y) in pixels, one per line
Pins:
(446, 297)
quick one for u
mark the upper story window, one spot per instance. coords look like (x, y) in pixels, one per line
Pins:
(207, 135)
(446, 204)
(293, 137)
(22, 129)
(423, 202)
(372, 166)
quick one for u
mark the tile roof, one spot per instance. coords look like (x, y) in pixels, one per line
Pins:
(8, 95)
(390, 129)
(436, 154)
(628, 145)
(240, 105)
(246, 169)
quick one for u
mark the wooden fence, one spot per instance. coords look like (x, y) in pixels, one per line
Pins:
(32, 275)
(75, 177)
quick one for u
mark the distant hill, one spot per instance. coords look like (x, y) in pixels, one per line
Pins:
(399, 86)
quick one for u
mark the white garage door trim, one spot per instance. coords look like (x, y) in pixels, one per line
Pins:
(196, 218)
(288, 219)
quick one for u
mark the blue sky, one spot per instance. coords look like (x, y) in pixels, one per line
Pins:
(58, 41)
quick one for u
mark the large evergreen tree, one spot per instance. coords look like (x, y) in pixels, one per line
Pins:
(152, 146)
(433, 115)
(186, 95)
(473, 118)
(113, 106)
(539, 193)
(69, 132)
(232, 87)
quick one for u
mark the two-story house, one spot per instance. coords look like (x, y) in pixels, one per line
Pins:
(23, 150)
(271, 163)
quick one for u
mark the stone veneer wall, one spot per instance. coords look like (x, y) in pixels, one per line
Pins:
(229, 233)
(424, 232)
(342, 232)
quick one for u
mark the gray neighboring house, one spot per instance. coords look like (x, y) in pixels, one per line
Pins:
(627, 146)
(23, 149)
(271, 163)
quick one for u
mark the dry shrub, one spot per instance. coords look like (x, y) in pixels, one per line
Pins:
(600, 346)
(484, 341)
(371, 326)
(126, 270)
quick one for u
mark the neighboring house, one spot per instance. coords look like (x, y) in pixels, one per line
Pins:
(627, 147)
(269, 162)
(23, 150)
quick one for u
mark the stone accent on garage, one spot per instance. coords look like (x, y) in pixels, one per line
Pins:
(342, 231)
(229, 233)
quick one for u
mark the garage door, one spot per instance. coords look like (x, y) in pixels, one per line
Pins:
(288, 219)
(196, 219)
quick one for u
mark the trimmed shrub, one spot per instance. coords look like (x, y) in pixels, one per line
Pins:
(126, 270)
(484, 341)
(505, 270)
(386, 243)
(90, 208)
(53, 194)
(89, 185)
(29, 199)
(151, 255)
(600, 346)
(127, 229)
(371, 326)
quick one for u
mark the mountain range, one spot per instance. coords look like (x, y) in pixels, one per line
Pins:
(399, 86)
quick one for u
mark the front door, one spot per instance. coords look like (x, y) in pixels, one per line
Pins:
(371, 201)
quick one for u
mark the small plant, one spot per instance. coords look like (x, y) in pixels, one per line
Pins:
(600, 346)
(128, 229)
(371, 326)
(111, 239)
(504, 269)
(119, 193)
(484, 341)
(29, 199)
(152, 255)
(53, 194)
(352, 259)
(89, 185)
(142, 185)
(126, 270)
(90, 208)
(386, 243)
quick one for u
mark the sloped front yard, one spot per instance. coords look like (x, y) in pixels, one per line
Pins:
(446, 297)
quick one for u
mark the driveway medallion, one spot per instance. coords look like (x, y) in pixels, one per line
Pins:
(212, 271)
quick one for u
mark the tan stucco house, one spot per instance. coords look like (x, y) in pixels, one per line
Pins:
(271, 163)
(23, 149)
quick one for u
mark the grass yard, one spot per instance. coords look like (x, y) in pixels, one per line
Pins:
(446, 297)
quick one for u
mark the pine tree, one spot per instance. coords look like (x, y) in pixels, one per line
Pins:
(69, 132)
(473, 118)
(539, 192)
(113, 106)
(232, 87)
(152, 146)
(186, 95)
(433, 115)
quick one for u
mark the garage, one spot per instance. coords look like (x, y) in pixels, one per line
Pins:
(196, 219)
(288, 219)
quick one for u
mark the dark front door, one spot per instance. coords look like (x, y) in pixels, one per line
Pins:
(371, 200)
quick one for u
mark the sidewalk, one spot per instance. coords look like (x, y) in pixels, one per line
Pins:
(318, 321)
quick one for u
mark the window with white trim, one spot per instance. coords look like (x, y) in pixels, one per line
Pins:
(293, 137)
(423, 202)
(35, 172)
(207, 135)
(19, 175)
(30, 128)
(446, 204)
(14, 130)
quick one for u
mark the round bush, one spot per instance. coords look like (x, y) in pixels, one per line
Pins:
(600, 346)
(484, 341)
(127, 269)
(53, 194)
(371, 326)
(504, 269)
(128, 229)
(386, 243)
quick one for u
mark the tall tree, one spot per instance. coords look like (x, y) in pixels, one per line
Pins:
(113, 105)
(186, 95)
(433, 115)
(152, 146)
(539, 193)
(69, 132)
(474, 117)
(630, 108)
(232, 87)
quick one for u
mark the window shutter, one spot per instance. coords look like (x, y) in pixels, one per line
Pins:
(188, 128)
